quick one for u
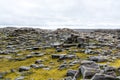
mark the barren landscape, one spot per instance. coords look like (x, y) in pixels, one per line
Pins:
(62, 54)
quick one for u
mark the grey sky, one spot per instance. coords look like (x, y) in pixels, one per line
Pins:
(83, 13)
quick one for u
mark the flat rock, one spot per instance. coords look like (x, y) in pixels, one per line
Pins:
(98, 76)
(71, 73)
(24, 68)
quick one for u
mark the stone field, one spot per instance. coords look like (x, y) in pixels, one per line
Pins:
(62, 54)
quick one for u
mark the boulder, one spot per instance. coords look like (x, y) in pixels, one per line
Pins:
(24, 68)
(37, 54)
(89, 69)
(63, 66)
(59, 50)
(29, 56)
(56, 44)
(72, 63)
(67, 57)
(118, 77)
(70, 56)
(118, 46)
(98, 58)
(38, 61)
(20, 58)
(55, 56)
(34, 66)
(90, 64)
(35, 48)
(88, 51)
(111, 73)
(42, 66)
(99, 76)
(109, 69)
(71, 73)
(72, 39)
(88, 73)
(1, 76)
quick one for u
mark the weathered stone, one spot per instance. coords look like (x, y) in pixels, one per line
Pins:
(35, 48)
(54, 56)
(39, 55)
(111, 73)
(42, 66)
(71, 73)
(98, 58)
(35, 53)
(118, 46)
(20, 59)
(108, 69)
(29, 56)
(98, 76)
(56, 44)
(67, 57)
(89, 69)
(63, 66)
(88, 51)
(118, 77)
(34, 66)
(72, 39)
(20, 78)
(88, 72)
(59, 50)
(24, 68)
(38, 61)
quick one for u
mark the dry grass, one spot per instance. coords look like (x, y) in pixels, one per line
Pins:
(116, 63)
(40, 74)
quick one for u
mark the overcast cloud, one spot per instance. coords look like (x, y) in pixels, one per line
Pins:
(61, 13)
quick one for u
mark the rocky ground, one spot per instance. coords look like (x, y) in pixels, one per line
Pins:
(62, 54)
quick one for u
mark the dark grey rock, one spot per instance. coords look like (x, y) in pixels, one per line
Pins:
(109, 69)
(20, 59)
(24, 68)
(89, 69)
(63, 66)
(1, 76)
(98, 76)
(39, 55)
(38, 61)
(88, 73)
(98, 58)
(88, 51)
(42, 66)
(59, 50)
(29, 56)
(90, 64)
(35, 48)
(70, 56)
(71, 73)
(34, 66)
(55, 56)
